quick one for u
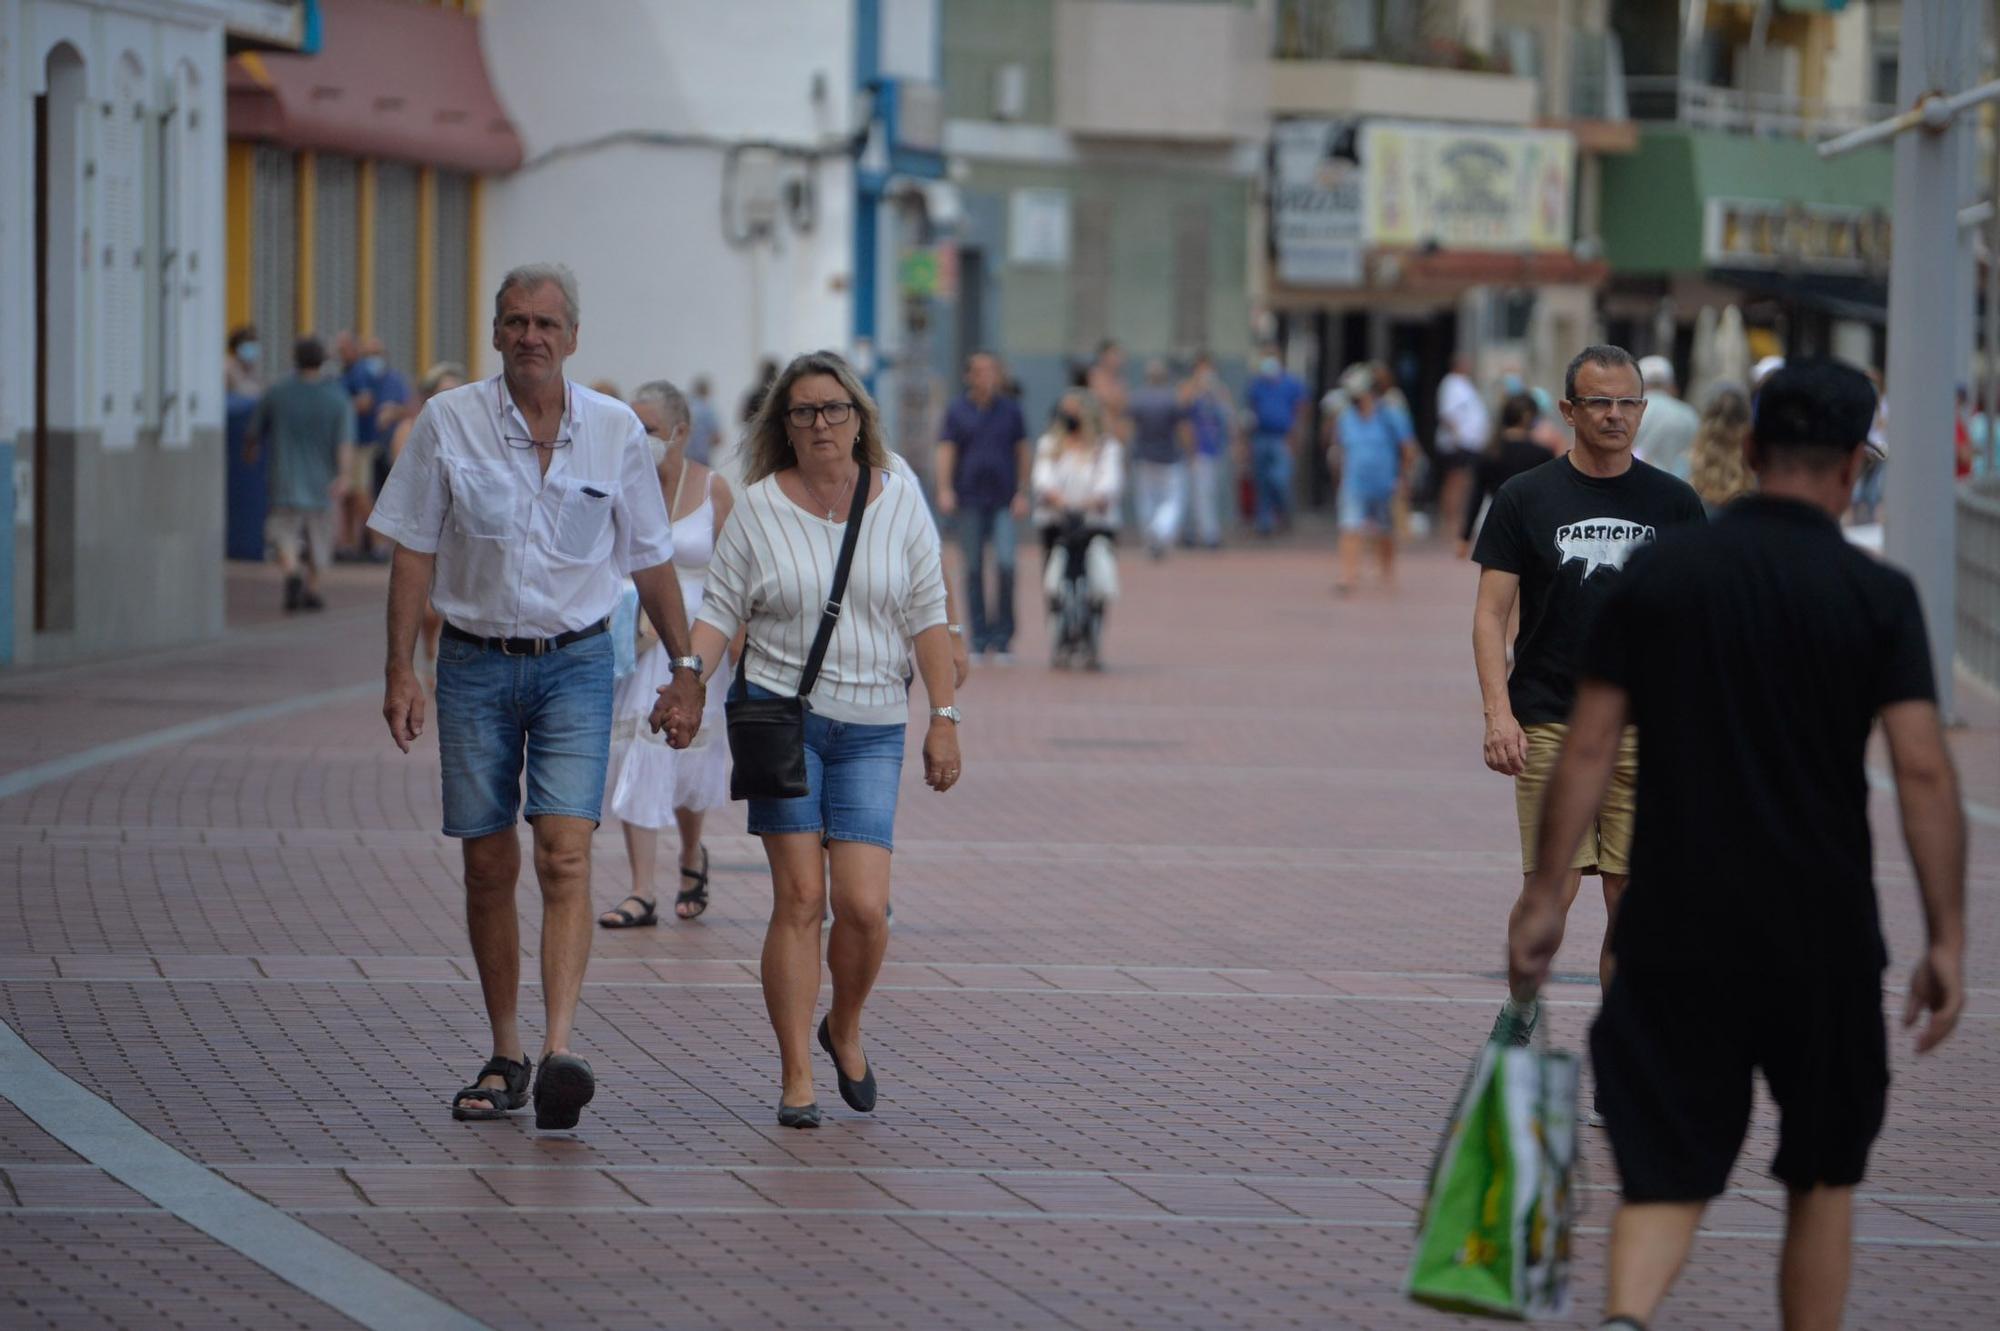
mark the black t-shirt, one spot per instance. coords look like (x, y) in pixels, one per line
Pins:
(1756, 655)
(1567, 535)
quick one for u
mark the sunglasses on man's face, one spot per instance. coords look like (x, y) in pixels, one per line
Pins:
(1604, 406)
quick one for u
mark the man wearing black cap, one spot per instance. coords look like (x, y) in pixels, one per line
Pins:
(1755, 656)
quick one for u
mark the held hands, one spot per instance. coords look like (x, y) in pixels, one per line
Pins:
(1506, 745)
(941, 755)
(1019, 508)
(1937, 986)
(947, 502)
(678, 712)
(403, 708)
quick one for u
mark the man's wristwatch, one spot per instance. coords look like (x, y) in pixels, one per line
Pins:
(950, 714)
(955, 630)
(693, 663)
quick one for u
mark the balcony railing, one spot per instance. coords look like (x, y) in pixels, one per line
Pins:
(1738, 111)
(1396, 32)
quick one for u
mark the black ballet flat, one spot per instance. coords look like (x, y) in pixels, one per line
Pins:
(860, 1095)
(798, 1116)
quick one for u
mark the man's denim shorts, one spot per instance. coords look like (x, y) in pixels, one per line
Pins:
(853, 772)
(494, 709)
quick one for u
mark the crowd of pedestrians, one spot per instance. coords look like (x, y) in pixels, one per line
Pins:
(1679, 656)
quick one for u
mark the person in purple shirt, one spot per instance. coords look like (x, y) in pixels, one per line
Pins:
(982, 472)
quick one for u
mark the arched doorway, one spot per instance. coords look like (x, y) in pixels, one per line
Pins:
(59, 305)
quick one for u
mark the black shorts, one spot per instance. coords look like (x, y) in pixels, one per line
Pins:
(1674, 1055)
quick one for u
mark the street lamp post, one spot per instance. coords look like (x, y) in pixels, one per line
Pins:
(1930, 307)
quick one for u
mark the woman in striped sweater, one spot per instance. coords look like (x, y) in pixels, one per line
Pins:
(815, 448)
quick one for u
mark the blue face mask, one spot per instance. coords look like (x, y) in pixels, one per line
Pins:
(1271, 366)
(248, 352)
(374, 365)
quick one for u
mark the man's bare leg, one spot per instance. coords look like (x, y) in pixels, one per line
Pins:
(562, 867)
(1614, 892)
(1649, 1245)
(1819, 1250)
(492, 867)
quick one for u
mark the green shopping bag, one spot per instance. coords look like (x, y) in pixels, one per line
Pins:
(1494, 1235)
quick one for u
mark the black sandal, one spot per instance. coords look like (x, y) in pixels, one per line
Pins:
(499, 1100)
(626, 919)
(562, 1090)
(696, 896)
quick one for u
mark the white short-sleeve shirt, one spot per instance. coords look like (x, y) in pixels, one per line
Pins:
(521, 553)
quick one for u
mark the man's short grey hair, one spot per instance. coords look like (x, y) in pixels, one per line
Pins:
(673, 404)
(532, 275)
(1603, 356)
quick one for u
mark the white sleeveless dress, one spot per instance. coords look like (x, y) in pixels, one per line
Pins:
(648, 780)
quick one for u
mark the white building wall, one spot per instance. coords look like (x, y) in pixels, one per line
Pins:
(136, 405)
(629, 111)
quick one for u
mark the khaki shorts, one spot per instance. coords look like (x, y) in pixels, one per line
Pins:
(1607, 842)
(301, 533)
(361, 469)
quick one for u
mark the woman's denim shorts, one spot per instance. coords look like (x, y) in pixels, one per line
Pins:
(854, 773)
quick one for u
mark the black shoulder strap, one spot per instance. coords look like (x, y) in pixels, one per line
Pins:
(851, 538)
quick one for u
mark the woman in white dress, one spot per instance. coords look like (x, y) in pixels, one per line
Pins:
(651, 785)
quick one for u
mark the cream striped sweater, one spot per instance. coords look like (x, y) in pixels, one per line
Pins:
(773, 568)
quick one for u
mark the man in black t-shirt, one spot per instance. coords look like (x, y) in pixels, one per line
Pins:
(1555, 539)
(1755, 657)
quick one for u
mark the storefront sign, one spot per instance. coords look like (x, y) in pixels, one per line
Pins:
(1812, 237)
(1467, 188)
(1315, 203)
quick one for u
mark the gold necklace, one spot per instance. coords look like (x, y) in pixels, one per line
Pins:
(805, 481)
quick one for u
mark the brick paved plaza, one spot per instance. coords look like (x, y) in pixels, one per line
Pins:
(1183, 976)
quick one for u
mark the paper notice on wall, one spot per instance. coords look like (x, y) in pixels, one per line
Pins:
(1316, 203)
(1468, 188)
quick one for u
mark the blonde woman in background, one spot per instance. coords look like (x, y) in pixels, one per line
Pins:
(439, 378)
(652, 784)
(1716, 468)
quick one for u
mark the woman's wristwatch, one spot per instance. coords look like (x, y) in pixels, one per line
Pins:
(950, 714)
(955, 630)
(693, 663)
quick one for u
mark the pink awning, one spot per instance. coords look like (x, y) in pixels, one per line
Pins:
(391, 79)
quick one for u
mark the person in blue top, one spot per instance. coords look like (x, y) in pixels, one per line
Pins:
(1377, 447)
(1278, 402)
(378, 394)
(1210, 416)
(982, 485)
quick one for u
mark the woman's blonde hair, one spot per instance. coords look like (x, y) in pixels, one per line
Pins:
(435, 376)
(1089, 408)
(769, 449)
(1716, 468)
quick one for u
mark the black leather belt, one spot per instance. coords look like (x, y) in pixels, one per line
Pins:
(527, 646)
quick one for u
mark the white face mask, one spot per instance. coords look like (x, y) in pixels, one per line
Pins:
(1271, 366)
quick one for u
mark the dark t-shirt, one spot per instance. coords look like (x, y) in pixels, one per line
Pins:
(986, 472)
(1567, 535)
(1155, 411)
(1756, 655)
(1493, 468)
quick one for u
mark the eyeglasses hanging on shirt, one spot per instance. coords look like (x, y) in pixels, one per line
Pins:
(518, 441)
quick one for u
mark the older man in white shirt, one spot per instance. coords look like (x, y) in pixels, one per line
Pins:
(1667, 430)
(517, 507)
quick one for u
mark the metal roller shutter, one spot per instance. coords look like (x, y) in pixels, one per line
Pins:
(396, 264)
(450, 263)
(1090, 273)
(1191, 276)
(336, 244)
(274, 246)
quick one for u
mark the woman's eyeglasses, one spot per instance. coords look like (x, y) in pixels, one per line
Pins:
(836, 413)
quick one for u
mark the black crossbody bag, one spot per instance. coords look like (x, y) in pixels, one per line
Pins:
(767, 736)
